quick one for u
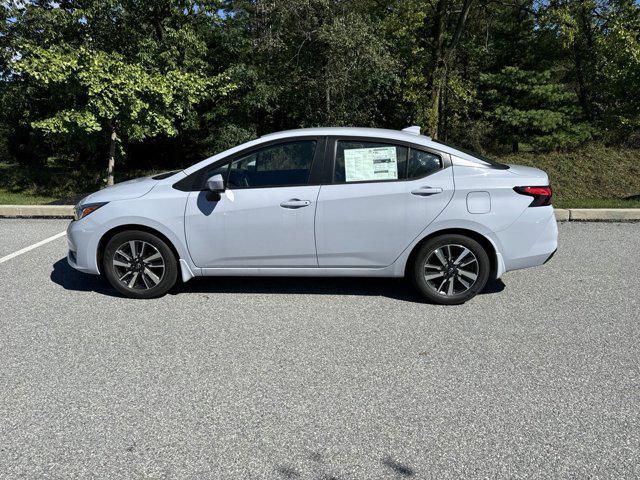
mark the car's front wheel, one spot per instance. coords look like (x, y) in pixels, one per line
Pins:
(451, 269)
(139, 264)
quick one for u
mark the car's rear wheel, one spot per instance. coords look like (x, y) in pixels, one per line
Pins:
(451, 269)
(139, 264)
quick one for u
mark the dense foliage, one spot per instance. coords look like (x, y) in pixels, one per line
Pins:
(157, 84)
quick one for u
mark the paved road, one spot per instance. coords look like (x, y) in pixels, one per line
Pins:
(322, 379)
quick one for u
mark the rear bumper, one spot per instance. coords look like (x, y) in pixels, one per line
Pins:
(531, 240)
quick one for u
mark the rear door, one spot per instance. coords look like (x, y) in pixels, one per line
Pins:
(265, 218)
(382, 194)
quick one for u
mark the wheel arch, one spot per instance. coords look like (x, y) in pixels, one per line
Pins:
(478, 237)
(109, 234)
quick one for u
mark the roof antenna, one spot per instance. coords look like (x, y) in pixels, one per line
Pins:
(414, 130)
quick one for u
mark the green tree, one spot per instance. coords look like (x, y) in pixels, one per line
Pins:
(107, 73)
(530, 107)
(104, 92)
(601, 44)
(618, 77)
(312, 62)
(427, 35)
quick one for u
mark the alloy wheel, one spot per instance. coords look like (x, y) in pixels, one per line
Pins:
(451, 269)
(138, 265)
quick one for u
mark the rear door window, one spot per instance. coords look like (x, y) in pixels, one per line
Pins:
(358, 161)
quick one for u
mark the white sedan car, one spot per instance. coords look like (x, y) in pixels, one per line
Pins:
(349, 202)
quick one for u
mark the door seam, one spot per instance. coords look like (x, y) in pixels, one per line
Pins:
(315, 216)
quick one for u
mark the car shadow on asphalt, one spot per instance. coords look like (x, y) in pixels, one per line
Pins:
(397, 289)
(71, 279)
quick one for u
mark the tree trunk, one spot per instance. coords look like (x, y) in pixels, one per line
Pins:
(584, 54)
(584, 97)
(443, 124)
(434, 107)
(112, 156)
(327, 101)
(441, 57)
(434, 71)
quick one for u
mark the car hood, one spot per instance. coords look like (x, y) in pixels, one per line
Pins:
(122, 191)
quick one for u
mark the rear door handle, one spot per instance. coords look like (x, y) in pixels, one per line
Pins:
(295, 203)
(426, 191)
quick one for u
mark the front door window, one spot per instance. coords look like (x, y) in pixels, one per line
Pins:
(281, 165)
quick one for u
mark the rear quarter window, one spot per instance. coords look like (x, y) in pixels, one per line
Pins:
(422, 163)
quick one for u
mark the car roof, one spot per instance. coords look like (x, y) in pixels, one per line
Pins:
(348, 131)
(373, 133)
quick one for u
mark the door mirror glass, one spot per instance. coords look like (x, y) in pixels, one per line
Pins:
(215, 184)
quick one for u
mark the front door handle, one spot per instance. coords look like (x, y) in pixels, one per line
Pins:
(426, 191)
(295, 203)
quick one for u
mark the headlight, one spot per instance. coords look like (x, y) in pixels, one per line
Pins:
(82, 211)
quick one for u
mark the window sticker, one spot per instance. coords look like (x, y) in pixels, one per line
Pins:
(366, 164)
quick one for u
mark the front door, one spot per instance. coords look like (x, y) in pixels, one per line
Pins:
(265, 218)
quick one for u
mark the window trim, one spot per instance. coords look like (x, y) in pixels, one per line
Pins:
(332, 151)
(195, 182)
(322, 166)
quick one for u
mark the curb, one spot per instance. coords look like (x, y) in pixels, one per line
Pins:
(36, 211)
(562, 214)
(597, 214)
(604, 214)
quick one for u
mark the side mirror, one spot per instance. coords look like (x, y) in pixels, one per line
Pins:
(215, 186)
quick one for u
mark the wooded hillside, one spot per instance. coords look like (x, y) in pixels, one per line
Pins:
(163, 84)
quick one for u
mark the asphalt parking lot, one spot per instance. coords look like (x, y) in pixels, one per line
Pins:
(322, 378)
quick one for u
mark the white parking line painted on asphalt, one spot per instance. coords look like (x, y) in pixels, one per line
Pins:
(31, 247)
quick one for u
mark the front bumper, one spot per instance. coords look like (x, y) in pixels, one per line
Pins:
(81, 254)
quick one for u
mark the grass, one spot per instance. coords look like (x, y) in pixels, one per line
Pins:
(592, 177)
(22, 198)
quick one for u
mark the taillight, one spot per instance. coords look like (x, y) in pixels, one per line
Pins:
(541, 195)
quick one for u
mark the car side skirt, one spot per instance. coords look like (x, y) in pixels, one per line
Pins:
(394, 271)
(389, 271)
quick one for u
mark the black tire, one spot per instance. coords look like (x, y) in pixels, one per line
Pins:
(455, 245)
(146, 273)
